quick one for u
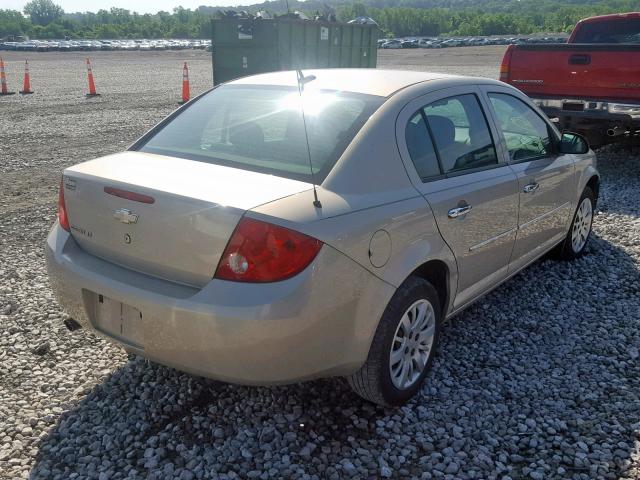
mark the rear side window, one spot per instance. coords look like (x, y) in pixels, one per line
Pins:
(609, 31)
(455, 137)
(259, 128)
(461, 133)
(526, 134)
(421, 148)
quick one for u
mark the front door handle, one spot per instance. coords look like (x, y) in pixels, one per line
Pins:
(459, 211)
(532, 187)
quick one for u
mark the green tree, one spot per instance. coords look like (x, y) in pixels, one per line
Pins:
(107, 31)
(43, 12)
(13, 23)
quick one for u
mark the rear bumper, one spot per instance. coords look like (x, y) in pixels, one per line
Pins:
(601, 122)
(596, 110)
(317, 324)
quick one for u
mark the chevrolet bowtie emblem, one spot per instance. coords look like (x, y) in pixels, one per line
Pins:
(125, 215)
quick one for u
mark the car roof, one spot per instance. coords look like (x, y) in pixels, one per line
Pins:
(368, 81)
(612, 16)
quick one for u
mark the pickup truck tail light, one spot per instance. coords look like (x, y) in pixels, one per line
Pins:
(505, 67)
(63, 219)
(262, 252)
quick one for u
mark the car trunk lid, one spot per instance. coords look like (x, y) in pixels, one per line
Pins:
(163, 216)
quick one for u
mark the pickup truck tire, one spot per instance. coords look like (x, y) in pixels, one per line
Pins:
(407, 335)
(574, 244)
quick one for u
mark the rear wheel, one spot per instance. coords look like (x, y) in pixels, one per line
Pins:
(403, 346)
(576, 240)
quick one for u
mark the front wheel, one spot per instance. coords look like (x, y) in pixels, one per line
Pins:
(403, 346)
(576, 240)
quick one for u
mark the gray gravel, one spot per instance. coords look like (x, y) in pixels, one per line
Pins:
(539, 380)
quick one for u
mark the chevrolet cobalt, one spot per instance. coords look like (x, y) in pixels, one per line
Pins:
(289, 226)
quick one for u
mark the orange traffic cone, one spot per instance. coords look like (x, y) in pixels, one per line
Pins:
(92, 86)
(185, 84)
(3, 81)
(26, 86)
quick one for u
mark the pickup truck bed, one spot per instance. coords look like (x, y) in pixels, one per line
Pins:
(596, 71)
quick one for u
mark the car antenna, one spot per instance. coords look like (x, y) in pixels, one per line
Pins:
(302, 81)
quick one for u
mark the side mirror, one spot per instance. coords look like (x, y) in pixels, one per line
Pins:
(573, 143)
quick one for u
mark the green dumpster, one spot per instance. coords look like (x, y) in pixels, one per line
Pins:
(244, 47)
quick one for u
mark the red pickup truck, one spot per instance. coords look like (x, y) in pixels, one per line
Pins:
(591, 84)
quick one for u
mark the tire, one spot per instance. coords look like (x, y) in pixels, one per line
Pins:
(375, 381)
(574, 244)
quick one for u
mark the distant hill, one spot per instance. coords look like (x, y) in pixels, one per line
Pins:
(281, 6)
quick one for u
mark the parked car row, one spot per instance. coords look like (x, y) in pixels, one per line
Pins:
(92, 45)
(443, 42)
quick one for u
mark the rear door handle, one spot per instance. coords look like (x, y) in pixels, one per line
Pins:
(580, 59)
(532, 187)
(459, 211)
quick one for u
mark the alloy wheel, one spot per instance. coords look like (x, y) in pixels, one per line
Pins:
(581, 225)
(412, 344)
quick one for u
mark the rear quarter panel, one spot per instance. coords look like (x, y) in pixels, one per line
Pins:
(390, 240)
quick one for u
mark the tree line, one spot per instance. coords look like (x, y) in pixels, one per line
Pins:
(500, 17)
(43, 19)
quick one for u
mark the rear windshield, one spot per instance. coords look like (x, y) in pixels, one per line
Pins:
(609, 31)
(260, 128)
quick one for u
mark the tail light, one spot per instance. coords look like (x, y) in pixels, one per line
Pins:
(505, 67)
(133, 196)
(63, 218)
(262, 252)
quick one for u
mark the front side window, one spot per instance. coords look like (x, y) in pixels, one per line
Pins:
(526, 134)
(259, 128)
(461, 134)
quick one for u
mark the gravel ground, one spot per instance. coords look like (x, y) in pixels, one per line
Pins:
(540, 379)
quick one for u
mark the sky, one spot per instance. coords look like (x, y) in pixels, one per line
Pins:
(140, 6)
